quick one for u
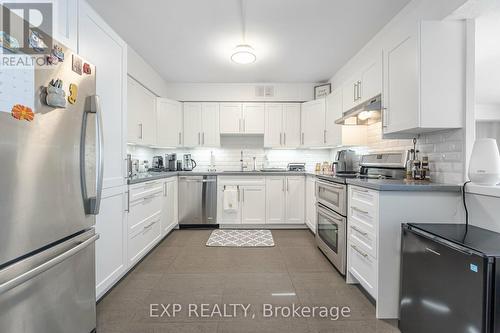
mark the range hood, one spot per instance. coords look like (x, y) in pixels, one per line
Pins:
(364, 114)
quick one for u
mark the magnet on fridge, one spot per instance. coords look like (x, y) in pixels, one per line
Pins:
(22, 112)
(87, 69)
(76, 65)
(36, 42)
(73, 93)
(56, 97)
(57, 55)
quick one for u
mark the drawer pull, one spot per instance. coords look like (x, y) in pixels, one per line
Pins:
(360, 190)
(149, 197)
(150, 183)
(358, 230)
(359, 251)
(150, 225)
(359, 210)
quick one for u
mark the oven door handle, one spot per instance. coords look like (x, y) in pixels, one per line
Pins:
(335, 186)
(325, 212)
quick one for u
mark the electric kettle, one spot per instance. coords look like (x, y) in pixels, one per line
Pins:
(188, 163)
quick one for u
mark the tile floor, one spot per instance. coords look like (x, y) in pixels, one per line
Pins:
(182, 270)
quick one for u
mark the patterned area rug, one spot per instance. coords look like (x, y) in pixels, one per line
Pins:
(241, 238)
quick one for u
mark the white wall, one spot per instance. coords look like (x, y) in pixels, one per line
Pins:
(219, 92)
(145, 74)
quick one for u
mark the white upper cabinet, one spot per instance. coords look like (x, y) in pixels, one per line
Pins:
(313, 123)
(365, 84)
(341, 135)
(100, 45)
(210, 118)
(168, 123)
(253, 118)
(242, 118)
(65, 27)
(424, 79)
(282, 125)
(142, 114)
(230, 118)
(273, 133)
(201, 125)
(192, 124)
(291, 125)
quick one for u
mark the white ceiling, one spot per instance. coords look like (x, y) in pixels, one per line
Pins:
(295, 40)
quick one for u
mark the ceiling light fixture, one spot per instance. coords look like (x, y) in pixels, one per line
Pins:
(243, 53)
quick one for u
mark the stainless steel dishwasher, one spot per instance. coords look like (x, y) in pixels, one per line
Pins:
(198, 201)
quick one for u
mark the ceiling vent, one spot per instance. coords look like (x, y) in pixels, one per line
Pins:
(264, 91)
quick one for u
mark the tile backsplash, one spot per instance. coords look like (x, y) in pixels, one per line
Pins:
(445, 150)
(227, 157)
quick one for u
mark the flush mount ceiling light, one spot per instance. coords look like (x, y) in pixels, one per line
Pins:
(243, 53)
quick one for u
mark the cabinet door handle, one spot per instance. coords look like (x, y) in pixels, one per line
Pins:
(281, 134)
(199, 138)
(303, 138)
(203, 138)
(165, 189)
(180, 138)
(324, 136)
(354, 92)
(128, 202)
(359, 251)
(238, 188)
(283, 185)
(284, 138)
(243, 195)
(358, 230)
(359, 89)
(140, 131)
(287, 185)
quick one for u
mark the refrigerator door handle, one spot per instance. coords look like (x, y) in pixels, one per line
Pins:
(92, 204)
(24, 276)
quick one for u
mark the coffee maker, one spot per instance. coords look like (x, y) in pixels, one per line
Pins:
(158, 162)
(344, 162)
(171, 162)
(188, 163)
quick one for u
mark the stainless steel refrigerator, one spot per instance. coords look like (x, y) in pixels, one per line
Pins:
(50, 187)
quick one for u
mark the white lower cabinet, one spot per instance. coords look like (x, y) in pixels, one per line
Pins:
(285, 199)
(311, 203)
(253, 204)
(251, 200)
(169, 211)
(111, 247)
(374, 221)
(144, 218)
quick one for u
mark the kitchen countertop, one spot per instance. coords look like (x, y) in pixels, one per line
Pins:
(403, 185)
(148, 176)
(374, 184)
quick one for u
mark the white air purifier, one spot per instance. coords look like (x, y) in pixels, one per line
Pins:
(484, 166)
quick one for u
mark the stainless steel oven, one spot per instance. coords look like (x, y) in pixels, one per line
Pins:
(331, 229)
(331, 236)
(332, 195)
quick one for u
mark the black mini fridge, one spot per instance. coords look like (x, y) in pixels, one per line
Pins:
(449, 279)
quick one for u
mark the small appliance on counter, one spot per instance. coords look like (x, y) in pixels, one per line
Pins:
(157, 163)
(188, 163)
(449, 278)
(171, 162)
(344, 162)
(296, 166)
(179, 165)
(484, 166)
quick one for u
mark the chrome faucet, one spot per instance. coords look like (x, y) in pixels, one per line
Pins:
(242, 166)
